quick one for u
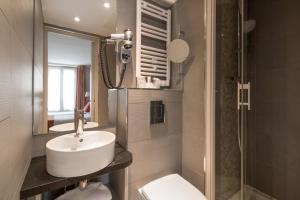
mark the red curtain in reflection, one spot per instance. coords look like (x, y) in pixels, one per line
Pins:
(80, 87)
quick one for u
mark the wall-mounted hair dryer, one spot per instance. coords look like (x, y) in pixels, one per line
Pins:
(123, 43)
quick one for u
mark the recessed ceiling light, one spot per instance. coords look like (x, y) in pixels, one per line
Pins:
(106, 5)
(77, 19)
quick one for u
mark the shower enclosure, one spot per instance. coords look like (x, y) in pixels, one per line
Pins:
(257, 100)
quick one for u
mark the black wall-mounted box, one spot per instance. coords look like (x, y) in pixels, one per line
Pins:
(157, 112)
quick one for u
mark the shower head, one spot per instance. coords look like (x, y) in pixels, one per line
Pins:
(249, 25)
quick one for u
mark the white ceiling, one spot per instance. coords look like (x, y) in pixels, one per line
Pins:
(68, 50)
(94, 17)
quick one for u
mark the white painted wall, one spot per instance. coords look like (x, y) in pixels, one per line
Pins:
(69, 50)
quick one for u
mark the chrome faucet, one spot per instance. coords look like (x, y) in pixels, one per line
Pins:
(78, 122)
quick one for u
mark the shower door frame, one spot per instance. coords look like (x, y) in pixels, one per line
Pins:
(210, 49)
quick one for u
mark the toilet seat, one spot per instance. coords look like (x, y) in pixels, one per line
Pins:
(170, 187)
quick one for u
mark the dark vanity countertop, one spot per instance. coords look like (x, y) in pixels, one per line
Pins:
(37, 179)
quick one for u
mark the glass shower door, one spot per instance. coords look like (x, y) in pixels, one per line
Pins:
(232, 97)
(257, 62)
(271, 128)
(227, 115)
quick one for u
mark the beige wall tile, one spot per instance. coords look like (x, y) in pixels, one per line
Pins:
(16, 22)
(138, 122)
(139, 114)
(138, 95)
(5, 162)
(39, 145)
(166, 95)
(193, 94)
(156, 148)
(122, 117)
(5, 62)
(139, 125)
(154, 156)
(112, 106)
(198, 180)
(174, 117)
(195, 147)
(19, 14)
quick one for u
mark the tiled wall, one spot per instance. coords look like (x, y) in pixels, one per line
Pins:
(156, 148)
(274, 70)
(190, 20)
(16, 51)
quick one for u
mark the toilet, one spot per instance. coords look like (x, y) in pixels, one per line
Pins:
(170, 187)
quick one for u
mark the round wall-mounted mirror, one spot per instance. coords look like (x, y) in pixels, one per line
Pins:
(178, 51)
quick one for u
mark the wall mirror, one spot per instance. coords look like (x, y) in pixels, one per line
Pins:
(67, 75)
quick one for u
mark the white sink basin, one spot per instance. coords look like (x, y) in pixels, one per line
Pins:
(70, 126)
(68, 156)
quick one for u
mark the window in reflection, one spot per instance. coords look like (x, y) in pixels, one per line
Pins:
(62, 89)
(69, 89)
(54, 85)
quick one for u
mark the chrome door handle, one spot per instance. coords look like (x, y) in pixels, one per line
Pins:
(241, 88)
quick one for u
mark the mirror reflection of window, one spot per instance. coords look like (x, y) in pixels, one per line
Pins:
(53, 89)
(69, 89)
(69, 78)
(62, 89)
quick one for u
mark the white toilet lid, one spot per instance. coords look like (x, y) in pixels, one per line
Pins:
(171, 187)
